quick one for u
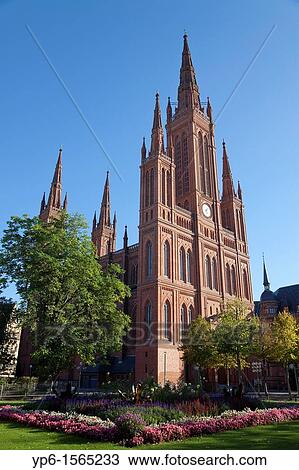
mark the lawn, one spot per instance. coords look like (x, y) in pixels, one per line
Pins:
(277, 436)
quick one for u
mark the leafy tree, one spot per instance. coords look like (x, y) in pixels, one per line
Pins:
(284, 343)
(69, 303)
(9, 337)
(236, 334)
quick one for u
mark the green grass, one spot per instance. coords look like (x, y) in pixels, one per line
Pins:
(276, 436)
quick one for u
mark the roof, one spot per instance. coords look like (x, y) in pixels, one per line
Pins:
(288, 296)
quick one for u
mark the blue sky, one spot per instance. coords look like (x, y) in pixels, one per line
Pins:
(113, 57)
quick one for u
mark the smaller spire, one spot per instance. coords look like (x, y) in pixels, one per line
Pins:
(239, 191)
(266, 282)
(143, 151)
(169, 111)
(43, 203)
(126, 237)
(209, 110)
(227, 178)
(94, 222)
(65, 202)
(157, 143)
(114, 220)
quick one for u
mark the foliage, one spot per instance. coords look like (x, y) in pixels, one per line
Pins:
(9, 333)
(169, 393)
(129, 425)
(69, 304)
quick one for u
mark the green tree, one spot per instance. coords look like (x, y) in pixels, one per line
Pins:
(71, 306)
(236, 334)
(284, 343)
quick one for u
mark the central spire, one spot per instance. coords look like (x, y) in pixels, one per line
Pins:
(188, 92)
(105, 206)
(157, 144)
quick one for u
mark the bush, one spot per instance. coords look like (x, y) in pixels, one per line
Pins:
(129, 425)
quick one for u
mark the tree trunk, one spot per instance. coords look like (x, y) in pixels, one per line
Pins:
(288, 381)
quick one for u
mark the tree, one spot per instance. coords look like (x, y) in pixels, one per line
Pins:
(9, 337)
(71, 306)
(284, 343)
(236, 334)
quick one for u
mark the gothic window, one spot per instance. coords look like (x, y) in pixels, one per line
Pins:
(188, 266)
(201, 164)
(133, 275)
(163, 186)
(147, 188)
(183, 320)
(149, 259)
(242, 227)
(208, 272)
(190, 315)
(178, 170)
(245, 284)
(152, 187)
(185, 164)
(166, 259)
(214, 274)
(228, 279)
(207, 167)
(166, 326)
(182, 265)
(168, 189)
(233, 281)
(148, 318)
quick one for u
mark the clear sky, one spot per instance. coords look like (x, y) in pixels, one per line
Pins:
(113, 56)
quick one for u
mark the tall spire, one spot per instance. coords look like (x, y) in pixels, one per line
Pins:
(157, 144)
(54, 199)
(227, 179)
(105, 206)
(266, 282)
(188, 92)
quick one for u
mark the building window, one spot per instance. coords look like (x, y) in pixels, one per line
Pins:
(185, 164)
(190, 315)
(207, 167)
(228, 279)
(152, 187)
(214, 274)
(148, 314)
(233, 281)
(166, 259)
(133, 275)
(201, 164)
(147, 189)
(245, 284)
(188, 266)
(166, 326)
(149, 259)
(182, 265)
(208, 272)
(183, 320)
(178, 171)
(168, 189)
(163, 185)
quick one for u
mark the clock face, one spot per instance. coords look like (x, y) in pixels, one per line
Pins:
(206, 210)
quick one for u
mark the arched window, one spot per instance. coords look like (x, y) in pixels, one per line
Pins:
(178, 170)
(228, 279)
(201, 164)
(207, 167)
(182, 265)
(190, 315)
(163, 185)
(188, 266)
(233, 281)
(214, 274)
(149, 259)
(152, 187)
(185, 168)
(166, 326)
(147, 188)
(183, 320)
(208, 272)
(166, 259)
(245, 283)
(168, 189)
(133, 275)
(148, 313)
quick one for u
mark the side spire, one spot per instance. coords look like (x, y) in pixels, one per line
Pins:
(105, 205)
(227, 178)
(43, 204)
(239, 191)
(157, 143)
(65, 202)
(188, 92)
(266, 282)
(126, 237)
(143, 151)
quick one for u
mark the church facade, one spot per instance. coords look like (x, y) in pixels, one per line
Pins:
(192, 252)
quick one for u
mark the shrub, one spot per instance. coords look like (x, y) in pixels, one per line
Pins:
(129, 425)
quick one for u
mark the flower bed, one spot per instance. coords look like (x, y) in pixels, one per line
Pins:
(104, 431)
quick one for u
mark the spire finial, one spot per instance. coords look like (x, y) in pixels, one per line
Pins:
(188, 92)
(157, 143)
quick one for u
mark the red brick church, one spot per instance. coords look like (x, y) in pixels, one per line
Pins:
(192, 252)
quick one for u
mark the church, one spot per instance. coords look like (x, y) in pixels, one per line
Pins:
(192, 254)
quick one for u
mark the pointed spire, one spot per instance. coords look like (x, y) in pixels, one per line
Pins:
(114, 220)
(105, 206)
(266, 282)
(209, 110)
(157, 144)
(54, 199)
(94, 222)
(188, 92)
(227, 179)
(126, 238)
(169, 111)
(43, 203)
(65, 202)
(239, 191)
(143, 151)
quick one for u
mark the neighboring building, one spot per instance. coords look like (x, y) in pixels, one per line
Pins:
(270, 304)
(192, 253)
